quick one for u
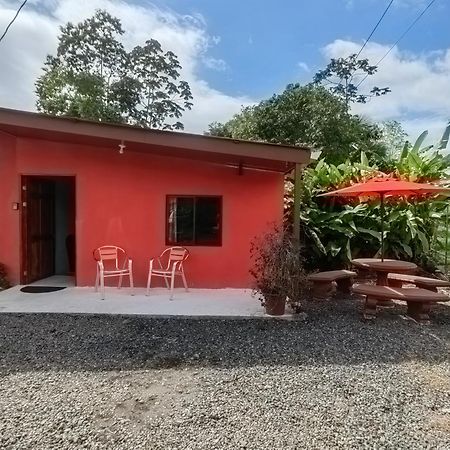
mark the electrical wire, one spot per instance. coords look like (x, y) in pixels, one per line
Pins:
(370, 36)
(375, 27)
(13, 19)
(399, 39)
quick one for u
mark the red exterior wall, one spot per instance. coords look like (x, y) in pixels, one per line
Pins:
(9, 218)
(121, 200)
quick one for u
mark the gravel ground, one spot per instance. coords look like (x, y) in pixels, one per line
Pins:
(328, 381)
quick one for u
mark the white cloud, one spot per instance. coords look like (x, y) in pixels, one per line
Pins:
(302, 65)
(34, 35)
(420, 85)
(215, 64)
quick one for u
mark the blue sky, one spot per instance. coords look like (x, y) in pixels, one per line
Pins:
(235, 53)
(263, 42)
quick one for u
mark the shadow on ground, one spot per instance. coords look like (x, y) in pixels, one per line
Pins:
(332, 333)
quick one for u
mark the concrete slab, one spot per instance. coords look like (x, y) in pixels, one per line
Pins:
(55, 280)
(196, 302)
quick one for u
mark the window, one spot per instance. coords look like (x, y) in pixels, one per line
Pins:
(194, 220)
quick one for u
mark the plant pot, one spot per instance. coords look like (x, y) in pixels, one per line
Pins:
(275, 304)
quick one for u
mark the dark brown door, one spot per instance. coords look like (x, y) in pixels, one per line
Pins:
(38, 228)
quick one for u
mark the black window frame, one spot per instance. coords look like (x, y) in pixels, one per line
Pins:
(195, 242)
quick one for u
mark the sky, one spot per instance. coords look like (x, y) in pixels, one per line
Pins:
(238, 52)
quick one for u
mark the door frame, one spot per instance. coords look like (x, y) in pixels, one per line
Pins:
(23, 219)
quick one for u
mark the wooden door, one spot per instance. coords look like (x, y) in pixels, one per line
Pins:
(38, 228)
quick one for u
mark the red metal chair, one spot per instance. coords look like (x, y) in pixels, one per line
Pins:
(175, 259)
(112, 261)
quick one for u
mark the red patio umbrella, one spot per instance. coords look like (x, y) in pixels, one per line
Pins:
(383, 187)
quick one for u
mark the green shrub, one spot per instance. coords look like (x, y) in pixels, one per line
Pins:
(333, 231)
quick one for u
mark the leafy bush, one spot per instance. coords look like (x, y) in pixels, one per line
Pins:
(425, 164)
(336, 230)
(306, 115)
(4, 284)
(278, 267)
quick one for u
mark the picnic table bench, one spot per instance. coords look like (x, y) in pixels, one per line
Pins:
(323, 281)
(383, 267)
(419, 300)
(431, 284)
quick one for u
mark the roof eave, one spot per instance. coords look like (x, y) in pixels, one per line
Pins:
(283, 156)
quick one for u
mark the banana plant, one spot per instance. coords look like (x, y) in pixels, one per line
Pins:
(424, 164)
(335, 232)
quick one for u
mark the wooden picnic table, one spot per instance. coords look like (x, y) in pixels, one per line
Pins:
(383, 268)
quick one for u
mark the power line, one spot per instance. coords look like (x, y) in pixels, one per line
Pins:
(400, 38)
(369, 37)
(375, 27)
(13, 19)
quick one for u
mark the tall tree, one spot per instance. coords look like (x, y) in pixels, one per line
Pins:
(343, 77)
(93, 77)
(160, 95)
(394, 138)
(305, 115)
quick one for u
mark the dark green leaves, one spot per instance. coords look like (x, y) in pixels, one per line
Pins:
(424, 164)
(343, 77)
(160, 95)
(305, 115)
(93, 77)
(336, 230)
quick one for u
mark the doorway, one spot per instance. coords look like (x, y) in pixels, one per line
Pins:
(48, 228)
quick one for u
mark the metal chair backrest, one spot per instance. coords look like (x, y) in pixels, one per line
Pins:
(110, 253)
(177, 255)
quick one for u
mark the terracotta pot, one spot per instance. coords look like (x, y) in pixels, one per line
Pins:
(275, 304)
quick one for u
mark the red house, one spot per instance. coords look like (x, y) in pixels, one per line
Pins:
(68, 186)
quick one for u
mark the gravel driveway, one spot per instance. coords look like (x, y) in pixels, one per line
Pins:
(328, 381)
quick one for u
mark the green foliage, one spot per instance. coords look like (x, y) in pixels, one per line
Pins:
(335, 230)
(424, 164)
(339, 78)
(93, 77)
(305, 115)
(153, 73)
(440, 245)
(393, 138)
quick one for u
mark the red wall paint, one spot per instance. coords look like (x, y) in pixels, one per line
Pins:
(120, 200)
(9, 218)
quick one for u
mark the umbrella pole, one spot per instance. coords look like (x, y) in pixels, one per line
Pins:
(382, 226)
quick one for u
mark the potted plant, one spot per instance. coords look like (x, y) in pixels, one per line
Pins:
(278, 271)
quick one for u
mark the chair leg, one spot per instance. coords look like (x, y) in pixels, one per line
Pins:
(149, 281)
(184, 281)
(172, 285)
(102, 286)
(131, 282)
(167, 283)
(119, 286)
(96, 281)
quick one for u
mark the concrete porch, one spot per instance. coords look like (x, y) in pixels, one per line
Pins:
(196, 302)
